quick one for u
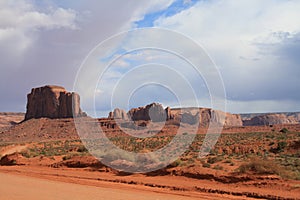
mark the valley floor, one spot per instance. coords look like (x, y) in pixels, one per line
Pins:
(26, 182)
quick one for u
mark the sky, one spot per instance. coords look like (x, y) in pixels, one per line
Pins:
(253, 44)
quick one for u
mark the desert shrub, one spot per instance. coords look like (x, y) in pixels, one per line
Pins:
(218, 167)
(212, 160)
(176, 163)
(229, 161)
(67, 157)
(206, 165)
(284, 130)
(30, 153)
(82, 149)
(264, 167)
(296, 145)
(280, 147)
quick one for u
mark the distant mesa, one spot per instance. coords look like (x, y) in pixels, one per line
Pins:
(55, 102)
(204, 116)
(156, 113)
(52, 102)
(272, 119)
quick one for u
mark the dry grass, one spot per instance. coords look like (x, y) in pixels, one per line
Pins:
(265, 167)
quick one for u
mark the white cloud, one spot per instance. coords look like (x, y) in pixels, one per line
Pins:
(233, 33)
(149, 7)
(245, 38)
(20, 20)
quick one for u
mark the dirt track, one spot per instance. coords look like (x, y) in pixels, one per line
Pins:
(33, 188)
(26, 182)
(17, 187)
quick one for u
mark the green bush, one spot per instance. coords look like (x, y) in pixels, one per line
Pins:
(264, 167)
(284, 130)
(82, 149)
(280, 147)
(218, 167)
(206, 165)
(67, 157)
(176, 163)
(212, 160)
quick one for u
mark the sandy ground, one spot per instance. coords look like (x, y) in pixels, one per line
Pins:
(17, 187)
(26, 182)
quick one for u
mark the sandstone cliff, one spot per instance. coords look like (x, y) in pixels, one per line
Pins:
(118, 114)
(52, 102)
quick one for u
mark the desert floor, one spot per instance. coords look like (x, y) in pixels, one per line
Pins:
(23, 183)
(26, 182)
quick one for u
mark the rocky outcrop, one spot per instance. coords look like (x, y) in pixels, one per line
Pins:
(118, 114)
(233, 120)
(205, 116)
(154, 112)
(52, 102)
(270, 119)
(189, 118)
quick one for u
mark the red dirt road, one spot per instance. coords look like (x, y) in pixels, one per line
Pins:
(16, 187)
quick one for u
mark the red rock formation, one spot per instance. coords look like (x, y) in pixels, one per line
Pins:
(189, 118)
(52, 102)
(270, 119)
(118, 114)
(233, 120)
(206, 116)
(154, 112)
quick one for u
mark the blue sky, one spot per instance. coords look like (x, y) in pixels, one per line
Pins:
(254, 44)
(176, 7)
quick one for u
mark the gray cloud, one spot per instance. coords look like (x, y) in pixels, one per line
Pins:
(256, 50)
(48, 41)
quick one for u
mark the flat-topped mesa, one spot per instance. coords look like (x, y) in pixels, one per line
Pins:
(156, 113)
(52, 102)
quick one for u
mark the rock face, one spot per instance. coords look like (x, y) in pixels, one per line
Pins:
(270, 119)
(154, 112)
(205, 116)
(233, 120)
(189, 118)
(52, 102)
(118, 114)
